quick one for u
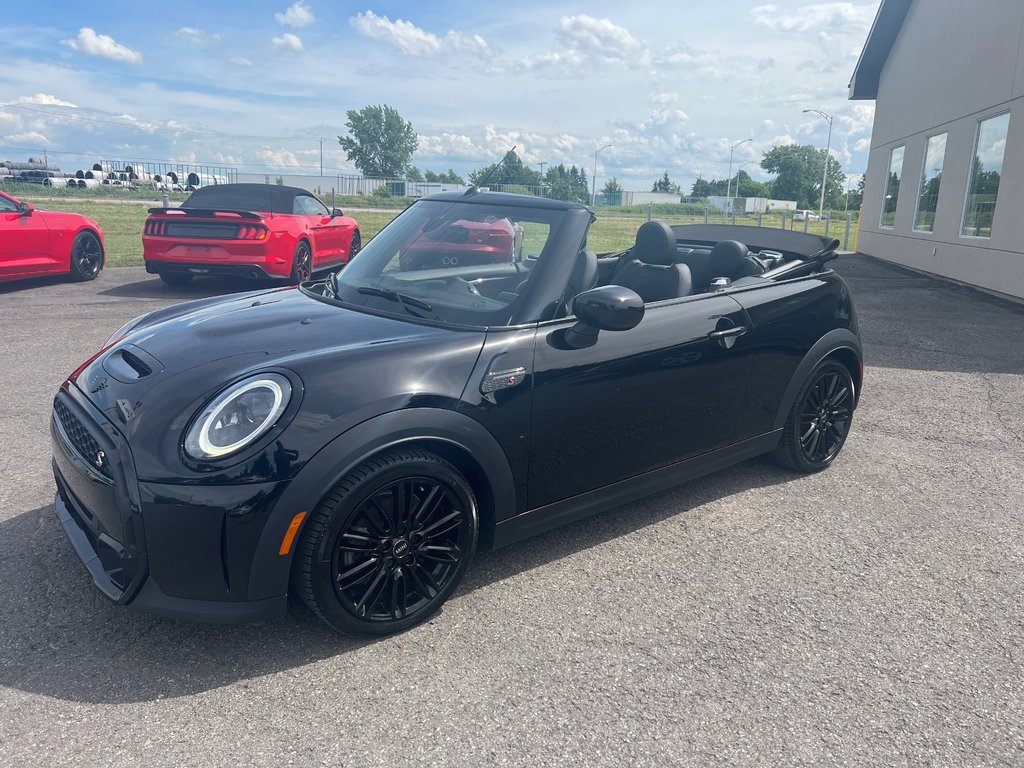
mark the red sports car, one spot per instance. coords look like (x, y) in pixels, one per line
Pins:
(463, 242)
(247, 230)
(36, 243)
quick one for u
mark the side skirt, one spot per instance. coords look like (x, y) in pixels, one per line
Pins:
(584, 505)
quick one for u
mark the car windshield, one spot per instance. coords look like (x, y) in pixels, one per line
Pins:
(463, 263)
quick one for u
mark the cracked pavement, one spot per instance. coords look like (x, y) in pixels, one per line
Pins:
(869, 615)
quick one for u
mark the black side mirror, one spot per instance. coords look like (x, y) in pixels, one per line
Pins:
(25, 209)
(335, 212)
(609, 308)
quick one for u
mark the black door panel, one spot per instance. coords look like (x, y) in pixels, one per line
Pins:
(637, 400)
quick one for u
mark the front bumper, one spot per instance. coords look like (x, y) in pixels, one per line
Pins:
(179, 551)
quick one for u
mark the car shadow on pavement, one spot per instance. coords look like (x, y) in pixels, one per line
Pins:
(60, 637)
(155, 288)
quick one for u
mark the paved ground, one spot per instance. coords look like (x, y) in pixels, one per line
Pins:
(870, 615)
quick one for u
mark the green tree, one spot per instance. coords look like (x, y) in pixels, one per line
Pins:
(511, 171)
(612, 187)
(705, 188)
(665, 184)
(798, 169)
(745, 186)
(412, 173)
(380, 142)
(563, 183)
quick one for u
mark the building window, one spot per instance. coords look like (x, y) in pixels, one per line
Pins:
(892, 188)
(931, 178)
(983, 189)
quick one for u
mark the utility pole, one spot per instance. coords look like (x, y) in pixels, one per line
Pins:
(321, 157)
(593, 181)
(728, 185)
(828, 145)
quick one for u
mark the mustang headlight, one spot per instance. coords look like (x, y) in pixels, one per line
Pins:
(238, 416)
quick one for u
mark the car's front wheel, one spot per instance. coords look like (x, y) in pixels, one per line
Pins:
(819, 422)
(86, 256)
(389, 544)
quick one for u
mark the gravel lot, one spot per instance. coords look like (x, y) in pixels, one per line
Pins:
(869, 615)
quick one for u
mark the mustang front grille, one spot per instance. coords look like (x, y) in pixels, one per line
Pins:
(82, 441)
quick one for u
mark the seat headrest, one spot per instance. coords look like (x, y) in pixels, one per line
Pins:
(655, 243)
(727, 257)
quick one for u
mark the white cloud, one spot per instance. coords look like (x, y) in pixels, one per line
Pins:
(279, 158)
(30, 137)
(596, 37)
(197, 36)
(287, 43)
(817, 16)
(298, 15)
(45, 99)
(862, 145)
(241, 61)
(413, 40)
(104, 46)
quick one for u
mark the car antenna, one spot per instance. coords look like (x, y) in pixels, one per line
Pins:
(476, 187)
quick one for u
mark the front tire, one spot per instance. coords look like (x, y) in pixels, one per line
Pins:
(389, 544)
(302, 263)
(86, 257)
(819, 421)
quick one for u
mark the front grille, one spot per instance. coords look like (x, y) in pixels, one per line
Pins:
(82, 441)
(201, 230)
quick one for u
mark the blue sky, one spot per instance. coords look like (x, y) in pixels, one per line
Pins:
(669, 85)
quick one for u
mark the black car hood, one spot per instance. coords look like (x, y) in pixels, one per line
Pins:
(152, 380)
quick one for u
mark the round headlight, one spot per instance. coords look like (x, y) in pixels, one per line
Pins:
(238, 416)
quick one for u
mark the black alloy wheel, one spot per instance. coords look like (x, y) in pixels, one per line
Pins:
(389, 544)
(302, 263)
(819, 422)
(355, 246)
(86, 257)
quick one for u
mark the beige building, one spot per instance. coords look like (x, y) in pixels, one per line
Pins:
(945, 180)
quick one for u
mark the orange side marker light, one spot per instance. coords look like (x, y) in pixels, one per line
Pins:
(289, 535)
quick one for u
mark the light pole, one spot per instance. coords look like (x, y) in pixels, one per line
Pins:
(828, 145)
(593, 180)
(738, 169)
(728, 185)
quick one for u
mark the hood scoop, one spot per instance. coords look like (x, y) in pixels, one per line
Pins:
(129, 364)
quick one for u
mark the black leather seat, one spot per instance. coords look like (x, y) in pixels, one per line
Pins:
(731, 258)
(650, 269)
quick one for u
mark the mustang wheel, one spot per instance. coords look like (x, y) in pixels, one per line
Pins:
(820, 420)
(302, 263)
(177, 279)
(86, 257)
(388, 545)
(355, 246)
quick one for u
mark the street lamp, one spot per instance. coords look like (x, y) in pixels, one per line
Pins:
(828, 145)
(593, 180)
(728, 186)
(738, 169)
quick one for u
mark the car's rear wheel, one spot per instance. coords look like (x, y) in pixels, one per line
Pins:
(355, 246)
(819, 421)
(176, 279)
(389, 544)
(86, 256)
(302, 263)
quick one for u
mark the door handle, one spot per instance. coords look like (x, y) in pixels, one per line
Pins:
(736, 330)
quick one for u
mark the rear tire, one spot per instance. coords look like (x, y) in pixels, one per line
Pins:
(86, 257)
(819, 421)
(388, 545)
(176, 279)
(302, 263)
(355, 246)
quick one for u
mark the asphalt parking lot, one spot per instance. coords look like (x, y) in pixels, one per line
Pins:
(869, 615)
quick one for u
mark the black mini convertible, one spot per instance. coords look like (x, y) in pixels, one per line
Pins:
(351, 440)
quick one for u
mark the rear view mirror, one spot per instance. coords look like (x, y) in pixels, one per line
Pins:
(335, 212)
(25, 209)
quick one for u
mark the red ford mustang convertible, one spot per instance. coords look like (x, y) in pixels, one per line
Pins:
(36, 243)
(247, 230)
